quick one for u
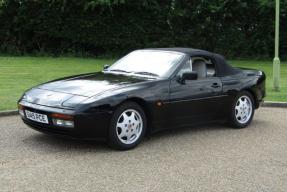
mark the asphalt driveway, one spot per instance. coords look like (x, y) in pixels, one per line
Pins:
(206, 158)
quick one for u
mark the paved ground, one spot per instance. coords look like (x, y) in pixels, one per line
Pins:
(209, 158)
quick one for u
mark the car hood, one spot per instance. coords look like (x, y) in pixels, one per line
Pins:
(90, 84)
(68, 92)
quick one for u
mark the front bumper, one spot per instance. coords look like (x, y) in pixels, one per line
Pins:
(88, 126)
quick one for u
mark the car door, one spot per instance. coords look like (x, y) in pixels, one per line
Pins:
(194, 101)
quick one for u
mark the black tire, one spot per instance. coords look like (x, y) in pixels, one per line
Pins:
(233, 121)
(113, 139)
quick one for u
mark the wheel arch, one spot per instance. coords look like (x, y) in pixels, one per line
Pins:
(143, 104)
(249, 90)
(253, 93)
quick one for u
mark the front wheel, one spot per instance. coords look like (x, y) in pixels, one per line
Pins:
(242, 110)
(128, 126)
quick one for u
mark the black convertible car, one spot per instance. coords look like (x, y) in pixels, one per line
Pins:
(146, 91)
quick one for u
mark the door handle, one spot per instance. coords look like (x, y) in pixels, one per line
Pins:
(215, 85)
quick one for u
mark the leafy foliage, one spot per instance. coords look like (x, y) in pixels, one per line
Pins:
(236, 28)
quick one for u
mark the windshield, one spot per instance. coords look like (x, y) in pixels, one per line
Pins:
(147, 62)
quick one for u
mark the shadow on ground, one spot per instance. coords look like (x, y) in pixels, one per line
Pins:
(40, 140)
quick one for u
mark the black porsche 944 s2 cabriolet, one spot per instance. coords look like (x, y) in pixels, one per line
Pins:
(146, 91)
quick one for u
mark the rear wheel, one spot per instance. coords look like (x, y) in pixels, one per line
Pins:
(242, 110)
(128, 126)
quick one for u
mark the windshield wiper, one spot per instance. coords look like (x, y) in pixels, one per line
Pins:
(146, 73)
(119, 70)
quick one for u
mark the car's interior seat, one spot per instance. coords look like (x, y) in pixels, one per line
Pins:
(200, 67)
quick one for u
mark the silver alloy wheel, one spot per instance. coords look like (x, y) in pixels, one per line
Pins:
(129, 126)
(243, 109)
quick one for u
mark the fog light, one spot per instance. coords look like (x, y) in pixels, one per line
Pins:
(63, 123)
(63, 120)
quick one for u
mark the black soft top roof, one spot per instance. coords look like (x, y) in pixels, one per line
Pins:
(222, 67)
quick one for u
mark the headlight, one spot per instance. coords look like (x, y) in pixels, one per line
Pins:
(24, 97)
(72, 102)
(114, 93)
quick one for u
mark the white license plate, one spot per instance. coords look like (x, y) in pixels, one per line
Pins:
(41, 118)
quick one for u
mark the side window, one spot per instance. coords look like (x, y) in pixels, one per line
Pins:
(204, 67)
(210, 69)
(186, 68)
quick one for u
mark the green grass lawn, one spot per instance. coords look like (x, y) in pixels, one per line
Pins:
(20, 73)
(17, 74)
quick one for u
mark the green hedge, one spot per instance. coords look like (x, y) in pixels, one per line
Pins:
(236, 28)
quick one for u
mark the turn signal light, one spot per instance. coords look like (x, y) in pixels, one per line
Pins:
(62, 116)
(21, 110)
(20, 107)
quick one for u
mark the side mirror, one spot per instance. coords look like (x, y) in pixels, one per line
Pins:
(106, 67)
(188, 76)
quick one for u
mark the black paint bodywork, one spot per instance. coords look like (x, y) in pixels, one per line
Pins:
(92, 98)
